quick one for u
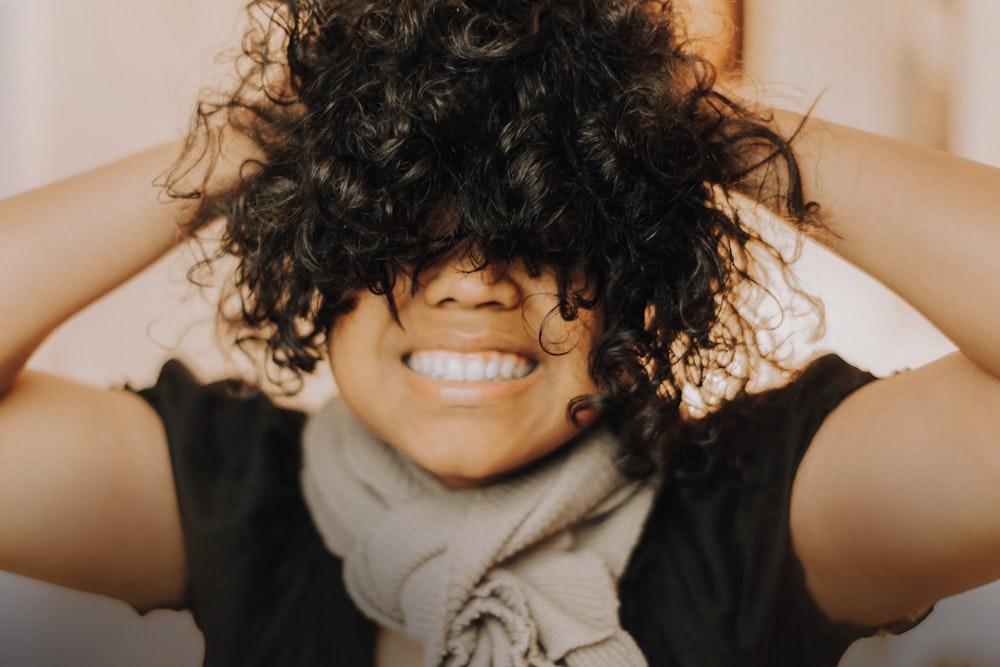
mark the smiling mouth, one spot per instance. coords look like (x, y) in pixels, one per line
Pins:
(469, 366)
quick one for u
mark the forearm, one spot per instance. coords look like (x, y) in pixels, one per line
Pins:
(66, 244)
(924, 223)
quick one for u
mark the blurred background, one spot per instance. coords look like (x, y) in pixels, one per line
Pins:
(88, 81)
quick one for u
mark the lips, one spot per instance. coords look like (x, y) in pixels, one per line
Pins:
(483, 366)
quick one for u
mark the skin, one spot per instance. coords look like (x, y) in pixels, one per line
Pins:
(893, 508)
(465, 433)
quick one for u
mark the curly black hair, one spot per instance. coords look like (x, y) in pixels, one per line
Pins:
(581, 136)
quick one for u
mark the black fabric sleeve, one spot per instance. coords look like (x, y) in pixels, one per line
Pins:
(262, 587)
(714, 580)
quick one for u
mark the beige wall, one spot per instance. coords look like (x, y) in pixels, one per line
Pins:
(100, 79)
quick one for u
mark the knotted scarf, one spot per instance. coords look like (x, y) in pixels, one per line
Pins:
(521, 572)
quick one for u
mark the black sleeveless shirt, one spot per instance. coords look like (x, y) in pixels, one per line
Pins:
(713, 580)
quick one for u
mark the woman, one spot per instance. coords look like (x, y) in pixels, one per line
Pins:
(515, 229)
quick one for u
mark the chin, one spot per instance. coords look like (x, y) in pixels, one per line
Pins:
(458, 471)
(460, 466)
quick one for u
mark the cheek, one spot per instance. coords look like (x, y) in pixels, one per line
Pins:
(577, 342)
(356, 336)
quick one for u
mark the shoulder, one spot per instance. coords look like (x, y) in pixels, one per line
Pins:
(263, 588)
(762, 437)
(887, 510)
(235, 457)
(231, 447)
(714, 577)
(228, 409)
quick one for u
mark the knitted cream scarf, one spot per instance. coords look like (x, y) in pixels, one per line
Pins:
(521, 572)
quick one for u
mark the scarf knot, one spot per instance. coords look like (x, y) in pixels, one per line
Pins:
(519, 573)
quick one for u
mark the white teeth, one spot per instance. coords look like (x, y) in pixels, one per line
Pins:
(454, 369)
(477, 367)
(492, 367)
(506, 369)
(438, 366)
(475, 370)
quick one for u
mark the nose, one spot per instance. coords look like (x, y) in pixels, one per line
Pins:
(456, 283)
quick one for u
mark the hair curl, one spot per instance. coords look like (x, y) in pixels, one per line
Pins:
(582, 136)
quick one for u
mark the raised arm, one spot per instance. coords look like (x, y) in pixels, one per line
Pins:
(73, 458)
(923, 222)
(86, 491)
(67, 244)
(894, 506)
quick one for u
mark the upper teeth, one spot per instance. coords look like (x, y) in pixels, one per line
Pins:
(475, 367)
